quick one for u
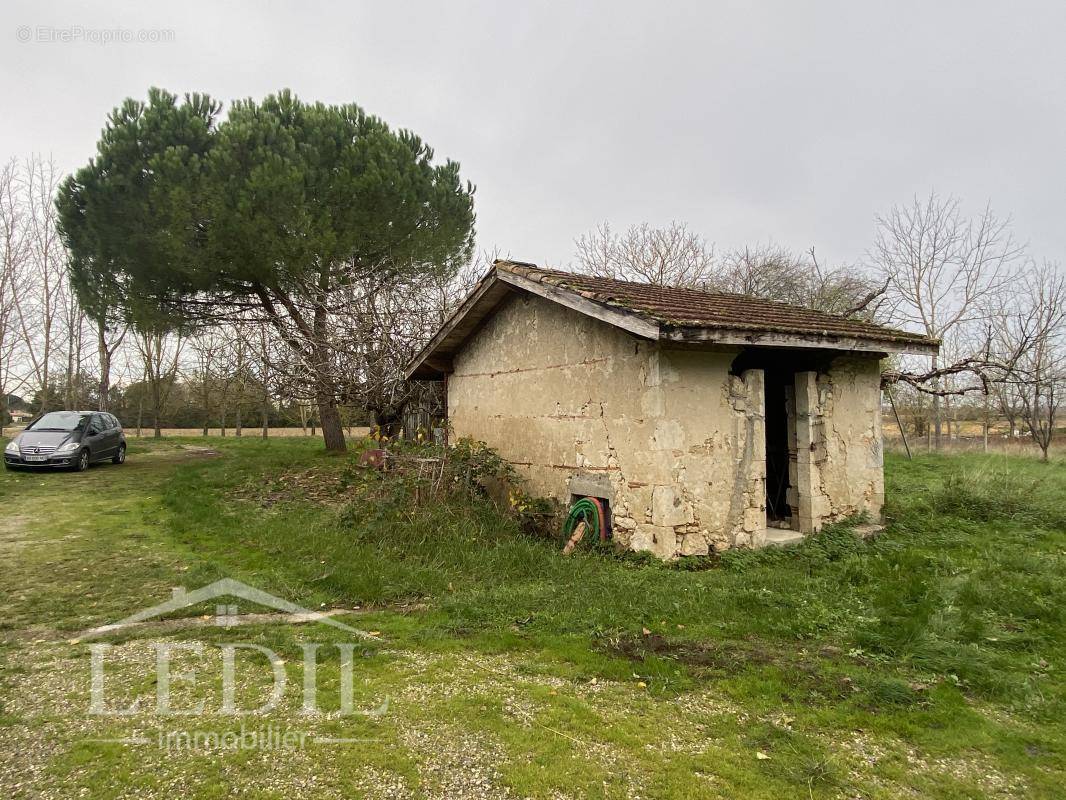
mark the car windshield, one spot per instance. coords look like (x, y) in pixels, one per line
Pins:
(57, 421)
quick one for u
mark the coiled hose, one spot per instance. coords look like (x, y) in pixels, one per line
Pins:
(589, 510)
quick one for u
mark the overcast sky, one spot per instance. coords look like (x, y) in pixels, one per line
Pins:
(785, 121)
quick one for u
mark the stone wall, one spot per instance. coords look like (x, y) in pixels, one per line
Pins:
(851, 454)
(673, 440)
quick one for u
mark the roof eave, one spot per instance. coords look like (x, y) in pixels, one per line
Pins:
(636, 324)
(825, 341)
(434, 360)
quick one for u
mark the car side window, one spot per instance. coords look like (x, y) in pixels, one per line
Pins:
(114, 421)
(96, 424)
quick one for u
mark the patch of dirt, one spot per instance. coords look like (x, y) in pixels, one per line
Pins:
(14, 531)
(973, 768)
(317, 485)
(171, 450)
(727, 656)
(717, 659)
(457, 763)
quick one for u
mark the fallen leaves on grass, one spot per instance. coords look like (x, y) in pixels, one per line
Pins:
(316, 485)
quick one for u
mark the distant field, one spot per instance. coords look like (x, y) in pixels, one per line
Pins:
(968, 429)
(249, 430)
(971, 439)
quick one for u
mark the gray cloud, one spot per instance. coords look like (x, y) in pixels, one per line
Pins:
(796, 122)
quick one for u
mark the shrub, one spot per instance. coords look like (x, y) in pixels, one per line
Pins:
(418, 474)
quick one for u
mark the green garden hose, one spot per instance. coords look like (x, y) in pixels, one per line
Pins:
(590, 510)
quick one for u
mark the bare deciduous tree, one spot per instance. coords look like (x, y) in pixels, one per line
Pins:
(263, 358)
(14, 251)
(72, 321)
(940, 267)
(206, 348)
(669, 256)
(375, 328)
(777, 273)
(1031, 321)
(160, 352)
(674, 256)
(39, 304)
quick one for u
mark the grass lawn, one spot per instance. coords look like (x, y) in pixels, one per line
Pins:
(928, 663)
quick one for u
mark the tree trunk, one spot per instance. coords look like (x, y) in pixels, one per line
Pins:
(69, 393)
(325, 395)
(984, 426)
(238, 426)
(104, 386)
(937, 420)
(330, 418)
(46, 399)
(222, 422)
(156, 411)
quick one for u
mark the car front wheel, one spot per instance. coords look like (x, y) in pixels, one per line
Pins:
(120, 456)
(82, 463)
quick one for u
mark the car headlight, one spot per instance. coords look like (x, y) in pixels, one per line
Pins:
(68, 447)
(12, 447)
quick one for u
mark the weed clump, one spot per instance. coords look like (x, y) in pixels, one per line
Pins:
(423, 479)
(988, 492)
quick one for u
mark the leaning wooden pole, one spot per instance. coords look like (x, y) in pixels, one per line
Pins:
(902, 433)
(578, 535)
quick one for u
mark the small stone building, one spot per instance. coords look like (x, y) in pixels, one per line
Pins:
(703, 421)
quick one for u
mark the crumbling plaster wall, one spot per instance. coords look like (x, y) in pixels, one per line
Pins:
(850, 450)
(679, 441)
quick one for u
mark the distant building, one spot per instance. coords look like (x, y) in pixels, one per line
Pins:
(701, 421)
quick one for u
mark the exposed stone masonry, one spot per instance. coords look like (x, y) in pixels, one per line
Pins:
(670, 438)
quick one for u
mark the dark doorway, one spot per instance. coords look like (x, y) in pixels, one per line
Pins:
(780, 367)
(778, 383)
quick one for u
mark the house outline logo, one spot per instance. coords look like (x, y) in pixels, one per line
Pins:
(226, 615)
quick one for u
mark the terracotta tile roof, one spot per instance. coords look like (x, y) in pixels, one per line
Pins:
(686, 316)
(694, 308)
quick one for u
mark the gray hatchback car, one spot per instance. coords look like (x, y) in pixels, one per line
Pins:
(73, 439)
